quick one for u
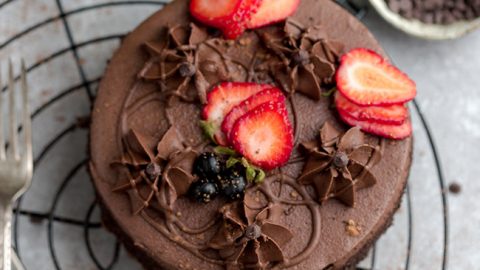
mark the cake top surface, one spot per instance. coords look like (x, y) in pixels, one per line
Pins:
(335, 186)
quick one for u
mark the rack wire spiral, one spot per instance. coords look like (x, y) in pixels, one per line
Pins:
(88, 222)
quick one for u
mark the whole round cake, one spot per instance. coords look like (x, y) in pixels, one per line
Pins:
(250, 134)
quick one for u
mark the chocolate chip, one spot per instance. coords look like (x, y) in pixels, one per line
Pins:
(394, 5)
(436, 11)
(187, 69)
(448, 17)
(469, 14)
(406, 5)
(438, 17)
(253, 232)
(340, 159)
(460, 5)
(153, 170)
(427, 18)
(301, 57)
(454, 188)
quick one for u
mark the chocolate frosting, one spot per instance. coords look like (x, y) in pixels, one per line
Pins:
(165, 171)
(250, 237)
(151, 106)
(307, 58)
(334, 165)
(174, 63)
(298, 58)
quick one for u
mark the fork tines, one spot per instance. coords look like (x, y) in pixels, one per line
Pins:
(12, 151)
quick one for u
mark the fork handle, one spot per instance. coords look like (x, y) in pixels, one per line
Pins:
(16, 263)
(6, 235)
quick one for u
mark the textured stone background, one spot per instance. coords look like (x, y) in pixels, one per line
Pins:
(62, 81)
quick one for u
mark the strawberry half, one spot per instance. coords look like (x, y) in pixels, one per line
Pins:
(393, 114)
(365, 78)
(222, 98)
(272, 11)
(268, 95)
(230, 16)
(264, 136)
(396, 132)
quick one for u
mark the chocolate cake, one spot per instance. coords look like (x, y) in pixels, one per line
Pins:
(322, 209)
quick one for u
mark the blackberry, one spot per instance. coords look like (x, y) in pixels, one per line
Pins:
(233, 184)
(208, 165)
(204, 190)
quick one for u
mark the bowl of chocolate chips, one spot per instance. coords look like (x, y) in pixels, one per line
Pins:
(431, 19)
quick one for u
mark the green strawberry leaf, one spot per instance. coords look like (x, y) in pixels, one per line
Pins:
(251, 174)
(231, 161)
(222, 150)
(245, 162)
(329, 92)
(208, 129)
(259, 177)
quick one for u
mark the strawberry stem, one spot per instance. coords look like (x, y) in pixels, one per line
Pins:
(329, 92)
(209, 130)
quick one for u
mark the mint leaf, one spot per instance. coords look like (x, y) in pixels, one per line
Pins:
(259, 177)
(251, 174)
(231, 161)
(245, 162)
(222, 150)
(329, 92)
(209, 129)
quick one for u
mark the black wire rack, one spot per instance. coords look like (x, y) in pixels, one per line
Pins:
(88, 223)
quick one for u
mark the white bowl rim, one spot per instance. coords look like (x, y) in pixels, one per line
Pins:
(419, 29)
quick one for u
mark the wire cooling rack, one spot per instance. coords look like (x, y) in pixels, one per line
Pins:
(92, 247)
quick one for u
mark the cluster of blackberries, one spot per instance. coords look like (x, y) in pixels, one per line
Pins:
(215, 179)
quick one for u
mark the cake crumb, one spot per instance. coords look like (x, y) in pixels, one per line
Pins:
(244, 41)
(257, 196)
(201, 236)
(178, 214)
(83, 122)
(60, 118)
(455, 188)
(352, 228)
(289, 211)
(294, 194)
(139, 245)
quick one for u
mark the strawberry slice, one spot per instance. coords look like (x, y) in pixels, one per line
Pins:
(365, 78)
(268, 95)
(222, 98)
(392, 114)
(396, 132)
(230, 16)
(214, 12)
(272, 11)
(264, 136)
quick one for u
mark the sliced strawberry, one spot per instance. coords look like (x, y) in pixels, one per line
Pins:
(230, 16)
(365, 78)
(222, 98)
(264, 136)
(392, 114)
(268, 95)
(214, 12)
(396, 132)
(272, 11)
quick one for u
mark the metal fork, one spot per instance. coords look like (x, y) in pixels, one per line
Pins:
(15, 167)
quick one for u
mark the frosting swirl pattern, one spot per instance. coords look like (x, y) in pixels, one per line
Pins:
(335, 164)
